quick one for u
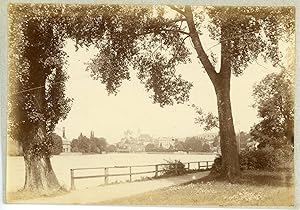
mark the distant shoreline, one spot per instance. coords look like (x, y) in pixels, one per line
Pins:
(177, 153)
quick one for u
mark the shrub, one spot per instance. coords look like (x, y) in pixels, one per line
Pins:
(170, 169)
(216, 168)
(266, 158)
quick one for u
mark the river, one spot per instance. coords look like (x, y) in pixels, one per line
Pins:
(63, 163)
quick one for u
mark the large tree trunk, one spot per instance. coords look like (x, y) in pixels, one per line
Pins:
(221, 82)
(228, 143)
(39, 175)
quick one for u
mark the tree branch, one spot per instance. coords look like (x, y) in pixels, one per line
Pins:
(209, 68)
(162, 29)
(175, 20)
(233, 37)
(183, 41)
(150, 30)
(177, 10)
(183, 32)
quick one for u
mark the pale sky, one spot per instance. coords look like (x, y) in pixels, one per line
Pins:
(109, 115)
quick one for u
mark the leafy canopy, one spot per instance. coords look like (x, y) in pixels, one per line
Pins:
(274, 99)
(251, 32)
(149, 39)
(36, 62)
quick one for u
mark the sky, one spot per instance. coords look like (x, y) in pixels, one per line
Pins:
(110, 115)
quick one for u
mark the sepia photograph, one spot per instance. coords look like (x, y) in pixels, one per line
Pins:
(150, 105)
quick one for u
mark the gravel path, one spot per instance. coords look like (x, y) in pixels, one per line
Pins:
(109, 192)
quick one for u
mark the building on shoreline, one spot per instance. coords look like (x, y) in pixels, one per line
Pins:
(66, 144)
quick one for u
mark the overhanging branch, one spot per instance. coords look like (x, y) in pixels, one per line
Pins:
(209, 68)
(177, 10)
(162, 29)
(179, 31)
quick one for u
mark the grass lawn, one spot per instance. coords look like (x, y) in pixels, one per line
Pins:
(255, 188)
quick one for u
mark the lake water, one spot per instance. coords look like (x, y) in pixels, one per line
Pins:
(63, 163)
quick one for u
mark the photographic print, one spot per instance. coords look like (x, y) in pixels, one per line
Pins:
(178, 105)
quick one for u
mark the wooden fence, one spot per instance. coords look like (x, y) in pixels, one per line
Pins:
(105, 170)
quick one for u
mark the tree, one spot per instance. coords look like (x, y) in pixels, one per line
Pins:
(111, 148)
(57, 147)
(275, 99)
(243, 138)
(193, 144)
(171, 148)
(101, 144)
(149, 40)
(216, 141)
(85, 145)
(37, 92)
(74, 145)
(244, 35)
(206, 147)
(179, 146)
(150, 148)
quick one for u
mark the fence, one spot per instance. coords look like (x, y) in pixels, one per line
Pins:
(105, 170)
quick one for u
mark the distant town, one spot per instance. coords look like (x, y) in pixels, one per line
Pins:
(132, 142)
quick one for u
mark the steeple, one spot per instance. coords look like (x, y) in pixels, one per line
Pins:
(64, 133)
(92, 135)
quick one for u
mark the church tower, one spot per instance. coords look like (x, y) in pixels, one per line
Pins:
(66, 144)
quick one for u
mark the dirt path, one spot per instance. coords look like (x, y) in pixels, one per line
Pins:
(109, 192)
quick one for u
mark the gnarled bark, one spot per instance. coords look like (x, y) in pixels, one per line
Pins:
(39, 175)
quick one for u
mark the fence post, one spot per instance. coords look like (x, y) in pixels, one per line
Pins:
(72, 179)
(206, 164)
(156, 170)
(130, 179)
(188, 166)
(176, 168)
(106, 175)
(199, 167)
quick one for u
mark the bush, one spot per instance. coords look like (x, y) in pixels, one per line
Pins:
(170, 169)
(266, 158)
(216, 168)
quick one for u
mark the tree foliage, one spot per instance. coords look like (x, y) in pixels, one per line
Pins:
(84, 144)
(207, 120)
(111, 148)
(57, 143)
(150, 44)
(151, 148)
(275, 99)
(251, 32)
(37, 78)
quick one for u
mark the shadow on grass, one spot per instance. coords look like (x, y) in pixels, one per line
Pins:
(280, 178)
